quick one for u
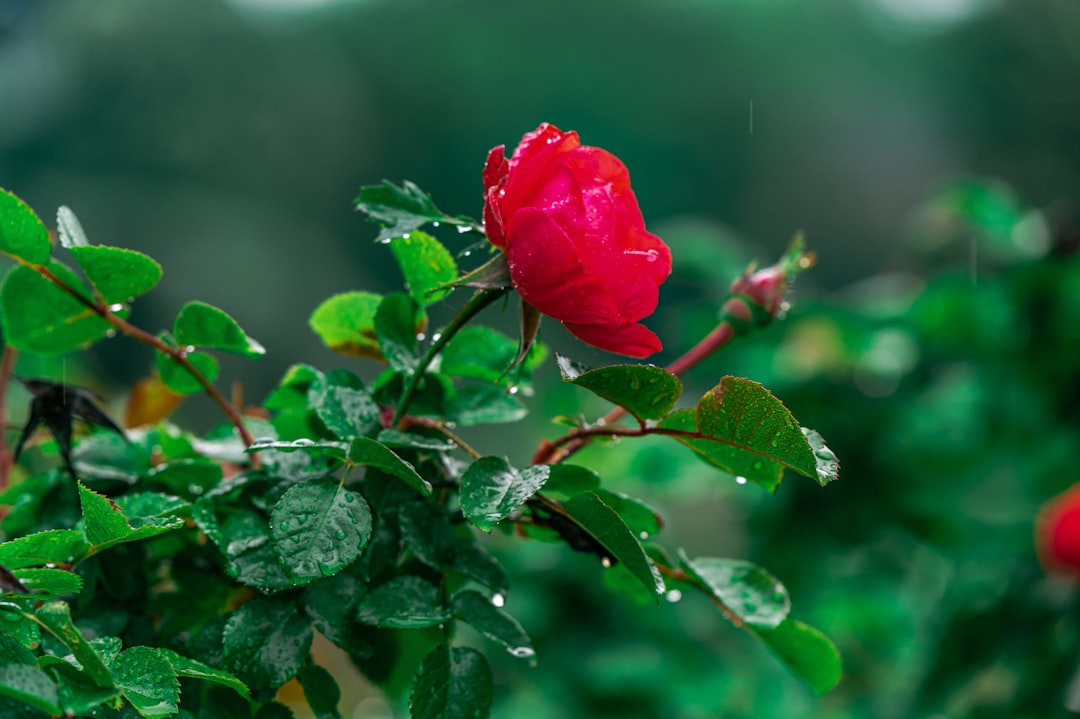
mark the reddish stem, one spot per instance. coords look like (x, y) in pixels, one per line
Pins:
(561, 448)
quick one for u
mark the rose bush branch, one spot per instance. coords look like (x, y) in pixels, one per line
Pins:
(176, 354)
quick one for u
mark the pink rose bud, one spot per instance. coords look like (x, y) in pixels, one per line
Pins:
(756, 297)
(575, 240)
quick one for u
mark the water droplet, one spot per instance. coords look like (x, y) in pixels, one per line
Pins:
(750, 606)
(673, 595)
(110, 334)
(436, 337)
(497, 599)
(824, 453)
(606, 561)
(462, 229)
(284, 526)
(195, 489)
(522, 652)
(758, 464)
(420, 336)
(466, 253)
(188, 349)
(434, 224)
(350, 497)
(644, 535)
(513, 390)
(340, 534)
(116, 308)
(301, 518)
(740, 480)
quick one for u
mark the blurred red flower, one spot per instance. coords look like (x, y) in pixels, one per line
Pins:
(1057, 533)
(575, 240)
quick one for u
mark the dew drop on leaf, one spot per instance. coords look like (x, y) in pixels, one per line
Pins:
(740, 480)
(340, 534)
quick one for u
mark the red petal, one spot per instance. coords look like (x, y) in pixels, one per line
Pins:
(632, 340)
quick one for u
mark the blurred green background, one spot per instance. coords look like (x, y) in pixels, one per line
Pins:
(930, 149)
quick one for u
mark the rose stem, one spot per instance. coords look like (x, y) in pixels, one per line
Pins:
(560, 449)
(476, 303)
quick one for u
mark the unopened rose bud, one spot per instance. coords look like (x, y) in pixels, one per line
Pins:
(756, 297)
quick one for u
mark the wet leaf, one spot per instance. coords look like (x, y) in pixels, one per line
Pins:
(806, 652)
(397, 320)
(331, 604)
(53, 546)
(49, 581)
(603, 523)
(399, 210)
(56, 618)
(147, 681)
(177, 379)
(199, 324)
(752, 594)
(403, 603)
(566, 480)
(426, 264)
(267, 641)
(31, 686)
(37, 316)
(484, 404)
(346, 324)
(645, 391)
(452, 683)
(107, 525)
(486, 354)
(319, 528)
(184, 667)
(369, 453)
(643, 520)
(321, 691)
(22, 233)
(495, 624)
(492, 489)
(118, 275)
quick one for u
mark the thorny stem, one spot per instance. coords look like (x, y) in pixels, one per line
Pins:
(561, 448)
(7, 363)
(478, 302)
(177, 354)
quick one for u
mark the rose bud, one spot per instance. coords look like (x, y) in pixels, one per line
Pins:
(1057, 533)
(757, 296)
(575, 240)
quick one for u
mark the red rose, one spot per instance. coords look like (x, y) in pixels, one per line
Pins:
(1057, 533)
(575, 239)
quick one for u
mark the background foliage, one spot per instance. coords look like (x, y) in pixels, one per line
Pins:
(938, 356)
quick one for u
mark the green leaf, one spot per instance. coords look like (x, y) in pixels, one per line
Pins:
(806, 652)
(49, 581)
(566, 480)
(752, 594)
(643, 520)
(30, 686)
(495, 624)
(426, 264)
(243, 536)
(273, 710)
(403, 603)
(331, 604)
(184, 667)
(743, 466)
(177, 378)
(492, 489)
(201, 325)
(12, 651)
(645, 391)
(399, 210)
(484, 404)
(37, 316)
(267, 640)
(119, 275)
(411, 440)
(107, 525)
(68, 229)
(147, 681)
(473, 561)
(452, 683)
(369, 453)
(347, 411)
(486, 354)
(56, 618)
(192, 477)
(22, 233)
(603, 523)
(346, 324)
(321, 691)
(79, 695)
(319, 528)
(397, 320)
(53, 546)
(744, 415)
